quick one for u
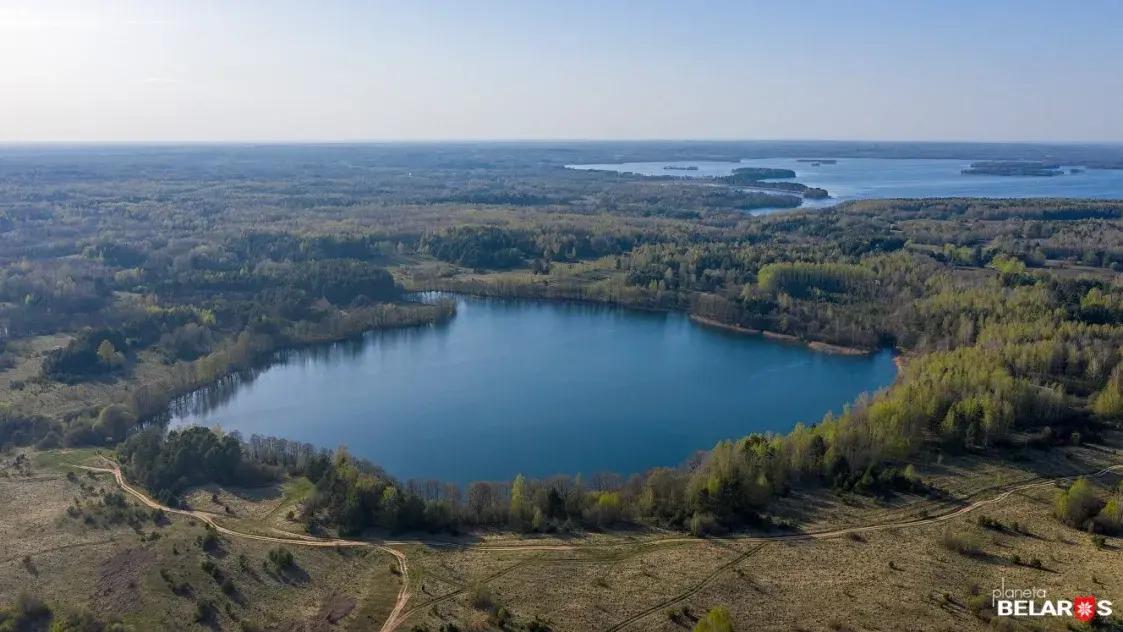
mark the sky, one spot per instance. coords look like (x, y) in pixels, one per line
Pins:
(370, 70)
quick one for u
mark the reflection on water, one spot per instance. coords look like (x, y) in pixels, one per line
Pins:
(537, 388)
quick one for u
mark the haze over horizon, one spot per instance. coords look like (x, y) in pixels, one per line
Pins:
(431, 70)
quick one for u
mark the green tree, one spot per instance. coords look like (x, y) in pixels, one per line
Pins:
(716, 620)
(107, 353)
(1079, 503)
(1109, 401)
(1111, 517)
(518, 501)
(114, 422)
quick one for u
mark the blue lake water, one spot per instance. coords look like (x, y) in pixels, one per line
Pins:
(514, 387)
(864, 178)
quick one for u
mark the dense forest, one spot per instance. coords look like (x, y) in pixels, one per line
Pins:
(187, 265)
(1012, 168)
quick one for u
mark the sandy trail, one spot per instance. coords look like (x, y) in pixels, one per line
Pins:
(395, 618)
(399, 614)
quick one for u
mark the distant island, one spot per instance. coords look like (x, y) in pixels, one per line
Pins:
(787, 187)
(1012, 168)
(815, 162)
(754, 177)
(753, 174)
(1076, 171)
(680, 168)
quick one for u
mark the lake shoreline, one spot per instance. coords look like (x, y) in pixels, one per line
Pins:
(814, 345)
(489, 362)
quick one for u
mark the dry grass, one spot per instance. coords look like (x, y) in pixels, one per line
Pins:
(22, 387)
(887, 580)
(897, 579)
(117, 571)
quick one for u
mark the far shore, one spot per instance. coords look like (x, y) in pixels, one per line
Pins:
(815, 345)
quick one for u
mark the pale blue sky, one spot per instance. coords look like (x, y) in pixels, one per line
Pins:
(257, 70)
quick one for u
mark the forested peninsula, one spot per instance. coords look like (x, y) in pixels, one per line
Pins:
(1013, 168)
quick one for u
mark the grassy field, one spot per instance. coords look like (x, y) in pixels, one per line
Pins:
(159, 573)
(24, 386)
(153, 574)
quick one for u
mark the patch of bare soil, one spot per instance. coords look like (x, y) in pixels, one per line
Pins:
(118, 588)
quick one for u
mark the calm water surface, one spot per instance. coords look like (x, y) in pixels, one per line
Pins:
(538, 388)
(863, 178)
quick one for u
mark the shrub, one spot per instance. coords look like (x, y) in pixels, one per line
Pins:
(976, 604)
(1077, 504)
(210, 540)
(987, 522)
(204, 611)
(281, 558)
(1110, 519)
(961, 543)
(50, 441)
(27, 613)
(716, 620)
(480, 598)
(705, 524)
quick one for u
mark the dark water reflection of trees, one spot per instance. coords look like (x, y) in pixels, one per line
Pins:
(210, 398)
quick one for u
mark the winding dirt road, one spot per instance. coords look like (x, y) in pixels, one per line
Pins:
(399, 614)
(393, 621)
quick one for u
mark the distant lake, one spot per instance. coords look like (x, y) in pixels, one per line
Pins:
(864, 178)
(537, 388)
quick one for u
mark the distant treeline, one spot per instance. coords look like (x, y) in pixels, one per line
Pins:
(1013, 168)
(756, 177)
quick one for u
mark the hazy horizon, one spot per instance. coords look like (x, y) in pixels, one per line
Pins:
(346, 71)
(265, 142)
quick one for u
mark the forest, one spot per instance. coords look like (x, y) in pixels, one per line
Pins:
(1012, 168)
(190, 265)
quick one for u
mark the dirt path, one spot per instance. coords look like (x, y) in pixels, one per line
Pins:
(395, 618)
(64, 547)
(689, 592)
(399, 614)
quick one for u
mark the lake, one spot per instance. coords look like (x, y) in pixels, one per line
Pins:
(864, 178)
(537, 388)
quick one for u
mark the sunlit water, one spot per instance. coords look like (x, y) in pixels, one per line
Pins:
(538, 388)
(863, 178)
